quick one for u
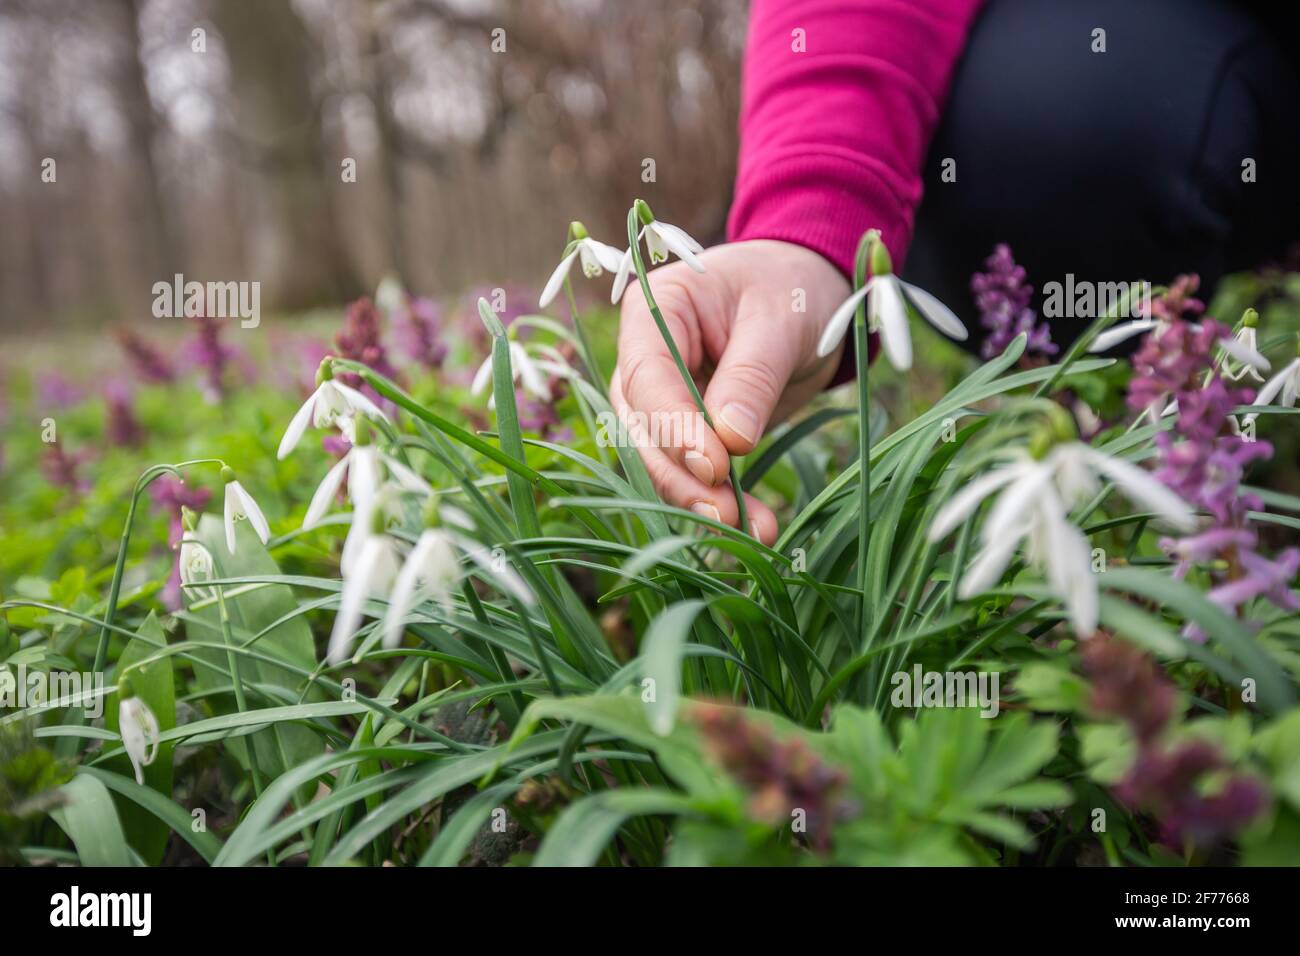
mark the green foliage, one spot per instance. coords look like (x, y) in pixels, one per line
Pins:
(584, 728)
(30, 778)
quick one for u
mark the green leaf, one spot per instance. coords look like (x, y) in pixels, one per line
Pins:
(786, 441)
(458, 833)
(172, 816)
(627, 718)
(89, 818)
(1107, 750)
(1275, 691)
(584, 829)
(1049, 687)
(154, 684)
(254, 610)
(663, 661)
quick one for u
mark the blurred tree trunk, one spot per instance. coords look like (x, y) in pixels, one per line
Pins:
(155, 230)
(380, 90)
(295, 247)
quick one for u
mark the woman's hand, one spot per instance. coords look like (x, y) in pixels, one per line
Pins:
(747, 329)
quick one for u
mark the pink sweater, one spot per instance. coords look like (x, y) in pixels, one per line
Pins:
(840, 100)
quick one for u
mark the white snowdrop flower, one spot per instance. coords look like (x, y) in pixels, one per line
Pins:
(195, 564)
(1284, 387)
(138, 728)
(1034, 501)
(333, 404)
(1241, 348)
(1248, 359)
(529, 371)
(370, 574)
(361, 466)
(240, 504)
(661, 239)
(595, 257)
(365, 466)
(433, 568)
(1122, 332)
(1247, 341)
(888, 300)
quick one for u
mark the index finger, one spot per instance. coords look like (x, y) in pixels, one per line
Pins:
(653, 385)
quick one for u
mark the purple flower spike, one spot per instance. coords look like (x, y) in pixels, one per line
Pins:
(1203, 458)
(1002, 296)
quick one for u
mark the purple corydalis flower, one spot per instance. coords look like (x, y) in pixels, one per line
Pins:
(361, 340)
(1205, 546)
(540, 417)
(1203, 458)
(1165, 779)
(60, 467)
(780, 775)
(1002, 296)
(420, 332)
(121, 427)
(54, 390)
(171, 494)
(211, 357)
(1166, 782)
(1261, 577)
(1172, 360)
(1128, 684)
(148, 364)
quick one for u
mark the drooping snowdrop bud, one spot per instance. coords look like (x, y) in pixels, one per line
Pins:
(240, 504)
(195, 562)
(1247, 339)
(138, 728)
(390, 296)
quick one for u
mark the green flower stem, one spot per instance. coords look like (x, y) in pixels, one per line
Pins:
(862, 354)
(633, 222)
(584, 344)
(241, 703)
(115, 588)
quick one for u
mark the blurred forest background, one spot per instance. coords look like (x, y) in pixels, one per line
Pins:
(209, 137)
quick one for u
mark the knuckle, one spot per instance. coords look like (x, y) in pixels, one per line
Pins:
(661, 473)
(756, 375)
(634, 366)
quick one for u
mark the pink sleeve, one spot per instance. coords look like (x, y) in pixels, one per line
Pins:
(840, 100)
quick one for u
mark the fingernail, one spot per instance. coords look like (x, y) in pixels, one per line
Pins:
(740, 420)
(753, 529)
(706, 510)
(700, 466)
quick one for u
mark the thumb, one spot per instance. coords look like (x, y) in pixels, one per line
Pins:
(750, 378)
